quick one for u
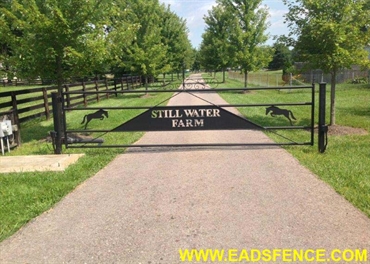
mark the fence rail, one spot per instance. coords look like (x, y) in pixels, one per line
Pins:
(267, 79)
(36, 102)
(316, 76)
(25, 104)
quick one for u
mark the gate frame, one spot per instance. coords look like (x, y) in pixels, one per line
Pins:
(61, 131)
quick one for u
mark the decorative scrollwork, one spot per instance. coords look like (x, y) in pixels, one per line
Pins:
(194, 84)
(212, 82)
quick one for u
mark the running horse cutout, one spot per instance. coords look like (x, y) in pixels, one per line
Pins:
(277, 111)
(97, 115)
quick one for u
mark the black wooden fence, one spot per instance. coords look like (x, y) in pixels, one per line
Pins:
(25, 104)
(36, 102)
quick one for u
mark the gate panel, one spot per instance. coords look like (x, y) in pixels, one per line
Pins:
(276, 117)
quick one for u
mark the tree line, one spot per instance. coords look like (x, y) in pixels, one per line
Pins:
(58, 39)
(324, 34)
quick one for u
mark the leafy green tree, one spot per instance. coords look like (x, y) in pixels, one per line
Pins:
(196, 60)
(175, 36)
(56, 39)
(160, 43)
(217, 51)
(6, 37)
(330, 35)
(147, 53)
(282, 58)
(208, 52)
(248, 35)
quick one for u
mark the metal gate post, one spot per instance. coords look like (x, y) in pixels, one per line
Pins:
(57, 117)
(323, 128)
(313, 114)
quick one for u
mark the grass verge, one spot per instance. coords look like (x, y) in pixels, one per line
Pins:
(24, 196)
(345, 165)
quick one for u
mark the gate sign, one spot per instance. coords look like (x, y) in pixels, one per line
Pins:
(175, 118)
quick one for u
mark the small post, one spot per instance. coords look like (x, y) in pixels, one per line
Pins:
(57, 117)
(121, 80)
(15, 109)
(313, 114)
(115, 87)
(323, 128)
(46, 103)
(16, 129)
(97, 90)
(68, 96)
(84, 94)
(106, 87)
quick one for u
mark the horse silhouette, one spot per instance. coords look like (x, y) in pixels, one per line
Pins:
(97, 115)
(277, 111)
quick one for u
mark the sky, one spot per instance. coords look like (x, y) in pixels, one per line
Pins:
(194, 10)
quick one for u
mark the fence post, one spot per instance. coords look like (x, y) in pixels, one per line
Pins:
(97, 90)
(126, 81)
(57, 117)
(106, 87)
(121, 80)
(15, 109)
(46, 103)
(68, 96)
(115, 87)
(323, 128)
(84, 94)
(16, 131)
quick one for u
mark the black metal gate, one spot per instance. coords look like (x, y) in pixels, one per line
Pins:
(207, 116)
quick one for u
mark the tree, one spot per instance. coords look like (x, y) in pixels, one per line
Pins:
(331, 35)
(53, 39)
(217, 51)
(175, 37)
(248, 35)
(147, 53)
(6, 37)
(196, 66)
(208, 52)
(160, 43)
(282, 58)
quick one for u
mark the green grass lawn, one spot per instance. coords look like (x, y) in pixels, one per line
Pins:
(24, 196)
(345, 164)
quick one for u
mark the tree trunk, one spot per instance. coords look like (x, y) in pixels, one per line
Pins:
(146, 84)
(223, 78)
(332, 97)
(246, 79)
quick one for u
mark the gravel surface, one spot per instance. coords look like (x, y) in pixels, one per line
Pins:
(147, 204)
